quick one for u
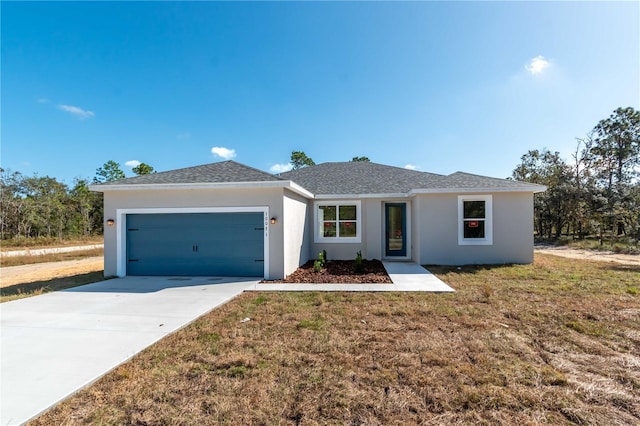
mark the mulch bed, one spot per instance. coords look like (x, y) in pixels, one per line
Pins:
(338, 272)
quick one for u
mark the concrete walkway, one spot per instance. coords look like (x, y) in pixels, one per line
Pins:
(406, 276)
(55, 344)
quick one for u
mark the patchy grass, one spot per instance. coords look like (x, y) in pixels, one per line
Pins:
(620, 246)
(45, 242)
(6, 262)
(556, 342)
(20, 291)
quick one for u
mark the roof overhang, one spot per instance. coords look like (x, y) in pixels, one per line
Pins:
(528, 188)
(287, 184)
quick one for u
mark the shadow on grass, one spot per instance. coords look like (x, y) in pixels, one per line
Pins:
(39, 287)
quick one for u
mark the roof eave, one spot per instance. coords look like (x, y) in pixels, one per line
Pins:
(203, 185)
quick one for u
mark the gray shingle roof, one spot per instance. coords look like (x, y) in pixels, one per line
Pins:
(330, 178)
(359, 178)
(372, 178)
(224, 171)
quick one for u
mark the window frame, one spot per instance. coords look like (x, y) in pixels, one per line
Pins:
(488, 220)
(318, 238)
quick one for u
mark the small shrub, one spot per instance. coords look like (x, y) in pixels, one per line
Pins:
(317, 266)
(358, 266)
(322, 257)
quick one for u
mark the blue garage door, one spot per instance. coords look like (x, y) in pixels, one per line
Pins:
(196, 244)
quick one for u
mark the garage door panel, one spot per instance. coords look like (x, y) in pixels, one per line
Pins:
(195, 244)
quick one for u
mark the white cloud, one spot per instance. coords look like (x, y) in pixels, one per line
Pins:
(184, 135)
(43, 100)
(223, 152)
(537, 65)
(132, 163)
(281, 168)
(410, 167)
(78, 112)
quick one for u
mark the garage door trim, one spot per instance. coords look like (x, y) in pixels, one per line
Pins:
(121, 228)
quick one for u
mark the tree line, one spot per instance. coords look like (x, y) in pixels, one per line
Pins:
(41, 206)
(597, 191)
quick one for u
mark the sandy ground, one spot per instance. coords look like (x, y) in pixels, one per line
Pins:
(45, 271)
(600, 256)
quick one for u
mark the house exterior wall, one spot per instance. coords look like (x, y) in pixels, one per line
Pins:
(294, 223)
(438, 231)
(271, 198)
(372, 230)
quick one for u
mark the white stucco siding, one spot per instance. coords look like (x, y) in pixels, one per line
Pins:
(294, 223)
(512, 231)
(269, 198)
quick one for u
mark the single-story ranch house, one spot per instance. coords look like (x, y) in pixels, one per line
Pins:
(229, 219)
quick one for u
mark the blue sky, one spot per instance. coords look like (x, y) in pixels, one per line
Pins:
(440, 87)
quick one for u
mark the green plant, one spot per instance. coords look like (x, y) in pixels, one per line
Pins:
(317, 266)
(358, 266)
(322, 257)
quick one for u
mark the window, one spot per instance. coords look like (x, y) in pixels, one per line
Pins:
(337, 222)
(475, 220)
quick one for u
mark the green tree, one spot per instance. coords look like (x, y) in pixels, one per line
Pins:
(143, 169)
(356, 159)
(109, 172)
(615, 156)
(553, 207)
(299, 160)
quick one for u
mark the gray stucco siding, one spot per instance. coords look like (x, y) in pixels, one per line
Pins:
(295, 231)
(270, 198)
(512, 231)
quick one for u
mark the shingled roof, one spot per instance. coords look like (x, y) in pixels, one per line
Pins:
(355, 178)
(222, 172)
(360, 177)
(372, 178)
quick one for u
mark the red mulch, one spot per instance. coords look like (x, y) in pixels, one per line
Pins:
(340, 272)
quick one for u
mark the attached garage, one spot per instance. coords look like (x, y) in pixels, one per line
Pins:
(195, 244)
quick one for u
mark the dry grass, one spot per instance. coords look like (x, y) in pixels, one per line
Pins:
(6, 262)
(557, 342)
(45, 242)
(20, 291)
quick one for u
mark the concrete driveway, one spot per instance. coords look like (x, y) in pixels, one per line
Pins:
(54, 344)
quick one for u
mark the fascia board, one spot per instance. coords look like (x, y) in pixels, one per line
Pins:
(205, 185)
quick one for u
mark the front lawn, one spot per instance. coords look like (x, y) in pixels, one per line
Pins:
(557, 342)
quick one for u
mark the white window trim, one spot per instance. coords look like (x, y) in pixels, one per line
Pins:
(316, 231)
(488, 221)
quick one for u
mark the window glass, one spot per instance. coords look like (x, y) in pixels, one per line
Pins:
(474, 229)
(329, 229)
(347, 229)
(327, 212)
(474, 210)
(347, 212)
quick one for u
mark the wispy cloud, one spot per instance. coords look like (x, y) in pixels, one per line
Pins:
(281, 168)
(183, 136)
(537, 65)
(410, 167)
(222, 152)
(132, 163)
(43, 100)
(76, 111)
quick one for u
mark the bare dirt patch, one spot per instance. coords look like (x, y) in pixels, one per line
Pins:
(339, 272)
(50, 270)
(599, 256)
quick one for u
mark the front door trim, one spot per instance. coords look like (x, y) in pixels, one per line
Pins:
(406, 230)
(121, 228)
